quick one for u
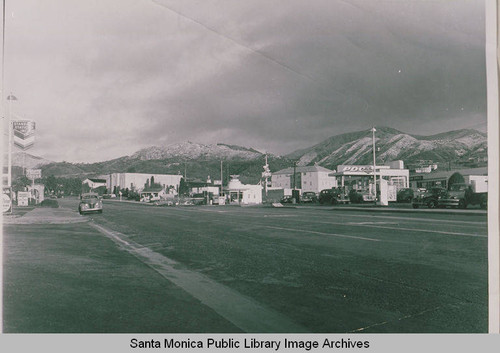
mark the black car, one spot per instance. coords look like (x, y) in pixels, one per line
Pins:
(405, 195)
(333, 196)
(309, 197)
(430, 198)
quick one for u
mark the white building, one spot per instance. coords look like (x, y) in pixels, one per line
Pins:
(394, 174)
(307, 178)
(137, 181)
(245, 194)
(95, 183)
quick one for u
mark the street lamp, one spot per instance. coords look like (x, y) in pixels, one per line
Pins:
(374, 166)
(10, 98)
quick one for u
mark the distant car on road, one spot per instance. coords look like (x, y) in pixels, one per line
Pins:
(90, 203)
(309, 197)
(430, 198)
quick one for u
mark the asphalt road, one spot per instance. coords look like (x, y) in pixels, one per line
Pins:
(138, 268)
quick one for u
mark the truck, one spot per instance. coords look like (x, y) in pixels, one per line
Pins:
(461, 195)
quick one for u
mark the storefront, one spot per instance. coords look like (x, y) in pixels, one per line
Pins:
(245, 194)
(390, 178)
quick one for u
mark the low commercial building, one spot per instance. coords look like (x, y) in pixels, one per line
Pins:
(441, 178)
(391, 177)
(306, 178)
(94, 185)
(360, 176)
(137, 181)
(245, 194)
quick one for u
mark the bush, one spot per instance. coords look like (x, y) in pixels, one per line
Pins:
(355, 197)
(49, 203)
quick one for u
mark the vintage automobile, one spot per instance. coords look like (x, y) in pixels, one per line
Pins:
(334, 196)
(287, 199)
(461, 195)
(90, 203)
(431, 198)
(309, 197)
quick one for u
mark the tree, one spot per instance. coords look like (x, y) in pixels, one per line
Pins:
(51, 183)
(20, 183)
(456, 178)
(183, 187)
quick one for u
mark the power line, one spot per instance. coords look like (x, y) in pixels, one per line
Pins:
(255, 51)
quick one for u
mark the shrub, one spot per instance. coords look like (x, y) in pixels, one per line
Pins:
(49, 203)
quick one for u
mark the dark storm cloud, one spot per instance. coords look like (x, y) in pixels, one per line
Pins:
(254, 73)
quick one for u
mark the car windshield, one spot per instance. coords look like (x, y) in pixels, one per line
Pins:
(89, 197)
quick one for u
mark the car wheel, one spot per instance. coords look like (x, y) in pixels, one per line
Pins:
(462, 204)
(432, 204)
(415, 205)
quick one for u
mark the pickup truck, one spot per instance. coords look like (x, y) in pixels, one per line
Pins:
(461, 195)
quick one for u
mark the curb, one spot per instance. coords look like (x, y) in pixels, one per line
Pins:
(403, 210)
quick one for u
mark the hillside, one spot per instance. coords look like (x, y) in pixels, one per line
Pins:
(199, 161)
(391, 144)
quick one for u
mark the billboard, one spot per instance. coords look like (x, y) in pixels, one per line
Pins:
(24, 133)
(33, 174)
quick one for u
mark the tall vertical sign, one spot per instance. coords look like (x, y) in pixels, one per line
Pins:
(24, 133)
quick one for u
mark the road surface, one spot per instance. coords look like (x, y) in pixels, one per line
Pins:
(139, 268)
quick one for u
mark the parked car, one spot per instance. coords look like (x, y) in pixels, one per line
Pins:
(405, 195)
(90, 203)
(309, 197)
(431, 198)
(333, 196)
(287, 199)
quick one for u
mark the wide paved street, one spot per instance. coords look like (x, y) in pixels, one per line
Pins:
(139, 268)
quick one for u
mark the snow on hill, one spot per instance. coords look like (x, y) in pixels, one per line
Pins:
(190, 151)
(356, 148)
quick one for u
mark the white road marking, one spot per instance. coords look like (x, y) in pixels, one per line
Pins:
(321, 233)
(399, 319)
(242, 311)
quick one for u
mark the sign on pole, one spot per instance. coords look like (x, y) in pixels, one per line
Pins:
(24, 133)
(33, 174)
(23, 198)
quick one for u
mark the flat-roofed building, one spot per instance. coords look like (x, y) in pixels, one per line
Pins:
(307, 178)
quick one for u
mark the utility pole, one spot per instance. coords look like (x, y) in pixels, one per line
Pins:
(294, 172)
(221, 182)
(374, 166)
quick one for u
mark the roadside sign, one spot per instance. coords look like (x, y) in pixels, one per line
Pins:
(24, 133)
(33, 174)
(23, 198)
(7, 200)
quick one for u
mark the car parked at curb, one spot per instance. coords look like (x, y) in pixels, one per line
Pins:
(431, 198)
(90, 203)
(308, 197)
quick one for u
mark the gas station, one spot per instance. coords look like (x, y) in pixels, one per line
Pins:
(390, 178)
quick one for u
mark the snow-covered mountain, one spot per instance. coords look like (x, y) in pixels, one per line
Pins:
(391, 144)
(196, 151)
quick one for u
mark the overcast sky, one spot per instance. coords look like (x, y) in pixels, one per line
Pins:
(103, 79)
